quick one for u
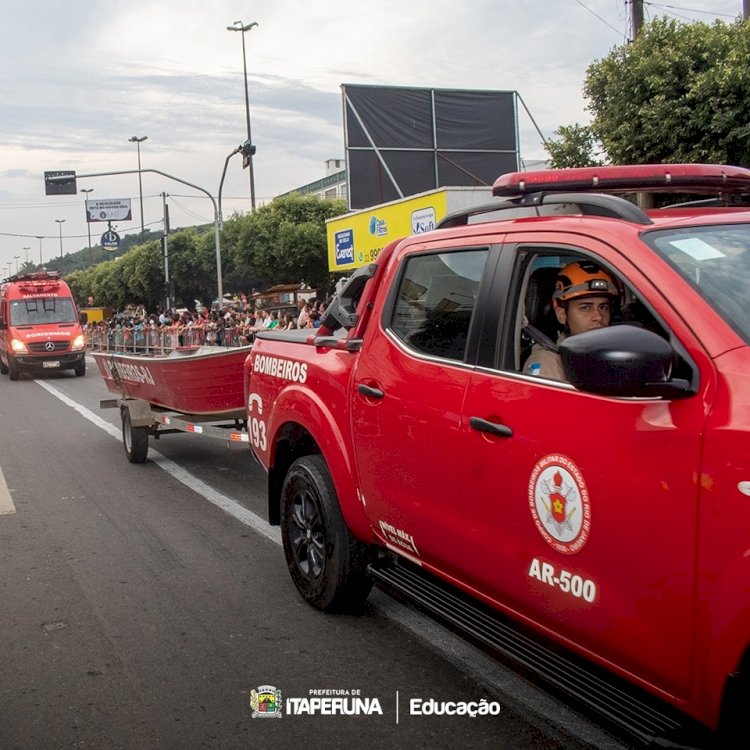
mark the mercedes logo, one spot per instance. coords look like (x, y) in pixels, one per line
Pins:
(50, 346)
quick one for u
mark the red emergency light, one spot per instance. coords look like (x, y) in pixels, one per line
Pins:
(652, 178)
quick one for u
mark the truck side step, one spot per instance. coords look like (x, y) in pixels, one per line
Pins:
(647, 720)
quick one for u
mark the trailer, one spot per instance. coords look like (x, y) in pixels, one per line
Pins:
(142, 420)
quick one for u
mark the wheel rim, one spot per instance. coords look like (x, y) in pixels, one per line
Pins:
(126, 434)
(307, 535)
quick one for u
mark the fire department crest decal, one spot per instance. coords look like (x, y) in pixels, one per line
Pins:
(559, 503)
(265, 702)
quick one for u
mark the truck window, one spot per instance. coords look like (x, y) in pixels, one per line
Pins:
(715, 260)
(34, 311)
(536, 307)
(435, 301)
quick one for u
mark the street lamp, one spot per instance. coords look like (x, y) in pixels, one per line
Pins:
(40, 249)
(60, 223)
(27, 253)
(135, 139)
(239, 26)
(16, 257)
(88, 223)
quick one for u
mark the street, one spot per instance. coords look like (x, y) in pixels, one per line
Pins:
(144, 606)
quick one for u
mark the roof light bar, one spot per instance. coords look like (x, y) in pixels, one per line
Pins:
(652, 178)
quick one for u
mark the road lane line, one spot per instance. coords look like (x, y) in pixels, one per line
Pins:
(6, 501)
(213, 496)
(514, 690)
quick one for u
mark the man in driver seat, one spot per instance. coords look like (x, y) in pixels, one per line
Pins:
(583, 299)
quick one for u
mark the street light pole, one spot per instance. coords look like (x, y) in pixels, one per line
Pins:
(135, 139)
(27, 253)
(85, 201)
(40, 250)
(239, 26)
(60, 223)
(16, 257)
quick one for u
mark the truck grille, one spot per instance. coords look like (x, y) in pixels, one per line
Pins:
(43, 346)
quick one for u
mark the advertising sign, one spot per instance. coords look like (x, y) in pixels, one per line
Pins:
(356, 239)
(109, 209)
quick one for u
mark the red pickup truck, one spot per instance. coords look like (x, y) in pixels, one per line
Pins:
(594, 527)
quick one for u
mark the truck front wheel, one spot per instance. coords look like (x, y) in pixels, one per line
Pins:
(12, 368)
(327, 564)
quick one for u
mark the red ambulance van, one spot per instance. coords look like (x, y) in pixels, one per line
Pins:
(39, 325)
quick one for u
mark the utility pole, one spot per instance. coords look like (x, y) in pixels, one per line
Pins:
(165, 240)
(637, 17)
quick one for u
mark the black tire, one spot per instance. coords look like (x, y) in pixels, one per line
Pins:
(80, 368)
(3, 368)
(134, 440)
(12, 369)
(327, 564)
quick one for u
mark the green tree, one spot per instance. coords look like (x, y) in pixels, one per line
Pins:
(575, 146)
(283, 242)
(679, 93)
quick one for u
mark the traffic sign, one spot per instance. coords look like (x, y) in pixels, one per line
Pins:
(110, 240)
(60, 183)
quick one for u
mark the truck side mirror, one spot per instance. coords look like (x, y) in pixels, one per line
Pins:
(622, 361)
(341, 313)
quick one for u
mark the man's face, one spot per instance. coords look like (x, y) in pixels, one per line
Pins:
(585, 314)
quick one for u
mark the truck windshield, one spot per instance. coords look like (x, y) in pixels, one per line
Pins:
(716, 261)
(42, 310)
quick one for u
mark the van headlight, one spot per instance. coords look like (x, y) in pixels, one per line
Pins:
(18, 346)
(79, 342)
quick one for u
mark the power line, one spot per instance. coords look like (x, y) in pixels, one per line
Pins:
(605, 22)
(690, 10)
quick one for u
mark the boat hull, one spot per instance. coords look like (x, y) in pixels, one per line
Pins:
(193, 380)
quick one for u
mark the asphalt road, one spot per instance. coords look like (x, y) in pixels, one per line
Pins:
(140, 606)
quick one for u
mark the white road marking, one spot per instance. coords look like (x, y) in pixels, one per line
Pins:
(220, 500)
(516, 692)
(6, 501)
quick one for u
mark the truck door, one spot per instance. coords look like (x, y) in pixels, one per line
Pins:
(587, 510)
(407, 395)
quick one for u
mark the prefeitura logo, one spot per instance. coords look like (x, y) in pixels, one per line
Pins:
(266, 702)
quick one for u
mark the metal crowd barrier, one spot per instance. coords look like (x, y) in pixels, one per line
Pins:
(160, 341)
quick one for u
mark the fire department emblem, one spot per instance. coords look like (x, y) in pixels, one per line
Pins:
(559, 503)
(266, 702)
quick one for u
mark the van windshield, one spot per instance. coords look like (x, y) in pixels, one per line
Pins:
(716, 261)
(41, 310)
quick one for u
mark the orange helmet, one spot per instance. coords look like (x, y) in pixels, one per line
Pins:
(582, 278)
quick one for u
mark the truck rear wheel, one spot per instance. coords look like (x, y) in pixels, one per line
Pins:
(134, 439)
(327, 564)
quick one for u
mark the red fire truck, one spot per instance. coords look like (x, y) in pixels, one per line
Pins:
(39, 325)
(593, 526)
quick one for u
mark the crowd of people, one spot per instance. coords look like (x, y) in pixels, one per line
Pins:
(235, 324)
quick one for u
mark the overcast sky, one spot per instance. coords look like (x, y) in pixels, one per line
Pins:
(80, 77)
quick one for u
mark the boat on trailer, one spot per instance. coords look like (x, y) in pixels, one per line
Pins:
(197, 380)
(197, 389)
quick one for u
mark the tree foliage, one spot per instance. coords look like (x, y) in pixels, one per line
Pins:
(575, 146)
(285, 241)
(679, 93)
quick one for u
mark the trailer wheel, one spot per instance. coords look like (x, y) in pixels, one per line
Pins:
(80, 368)
(134, 440)
(12, 369)
(327, 564)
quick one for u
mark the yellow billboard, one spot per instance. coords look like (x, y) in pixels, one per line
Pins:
(356, 239)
